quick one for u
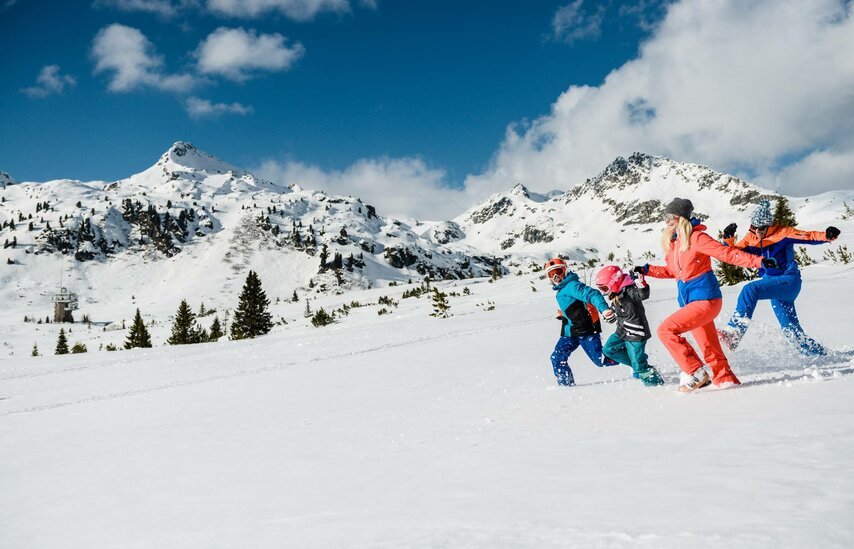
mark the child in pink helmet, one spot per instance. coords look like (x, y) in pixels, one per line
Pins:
(627, 345)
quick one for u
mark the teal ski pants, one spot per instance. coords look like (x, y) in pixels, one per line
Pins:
(630, 353)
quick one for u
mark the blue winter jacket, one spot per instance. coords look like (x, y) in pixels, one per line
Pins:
(572, 297)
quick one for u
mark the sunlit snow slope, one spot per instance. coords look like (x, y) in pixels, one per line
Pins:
(404, 430)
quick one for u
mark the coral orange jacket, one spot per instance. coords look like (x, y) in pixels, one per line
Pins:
(779, 243)
(693, 267)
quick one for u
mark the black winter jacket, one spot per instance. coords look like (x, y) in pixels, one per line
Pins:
(632, 324)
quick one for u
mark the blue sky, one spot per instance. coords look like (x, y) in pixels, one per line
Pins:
(425, 107)
(434, 79)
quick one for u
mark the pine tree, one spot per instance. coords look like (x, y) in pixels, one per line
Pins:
(728, 274)
(251, 319)
(138, 334)
(783, 214)
(61, 343)
(440, 304)
(184, 327)
(216, 330)
(322, 318)
(78, 348)
(35, 350)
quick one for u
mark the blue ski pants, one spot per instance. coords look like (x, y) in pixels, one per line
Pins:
(781, 291)
(592, 345)
(630, 353)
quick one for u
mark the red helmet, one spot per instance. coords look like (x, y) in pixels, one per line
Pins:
(609, 279)
(554, 267)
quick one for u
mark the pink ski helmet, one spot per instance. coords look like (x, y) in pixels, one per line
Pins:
(610, 279)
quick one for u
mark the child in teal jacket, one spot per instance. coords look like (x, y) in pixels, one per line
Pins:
(578, 329)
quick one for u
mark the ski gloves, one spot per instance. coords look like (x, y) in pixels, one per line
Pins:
(729, 230)
(609, 315)
(831, 233)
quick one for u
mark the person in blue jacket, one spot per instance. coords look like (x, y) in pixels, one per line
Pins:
(780, 285)
(578, 326)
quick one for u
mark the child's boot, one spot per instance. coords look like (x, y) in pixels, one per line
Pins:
(650, 377)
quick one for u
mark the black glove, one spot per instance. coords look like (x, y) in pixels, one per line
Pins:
(640, 269)
(770, 263)
(831, 233)
(729, 230)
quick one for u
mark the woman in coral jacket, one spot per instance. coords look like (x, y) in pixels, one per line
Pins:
(687, 253)
(781, 285)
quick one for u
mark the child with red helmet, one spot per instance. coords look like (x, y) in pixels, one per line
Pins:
(578, 328)
(627, 345)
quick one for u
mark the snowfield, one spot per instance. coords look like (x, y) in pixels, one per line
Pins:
(407, 431)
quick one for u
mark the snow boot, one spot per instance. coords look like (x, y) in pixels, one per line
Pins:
(650, 377)
(692, 382)
(730, 337)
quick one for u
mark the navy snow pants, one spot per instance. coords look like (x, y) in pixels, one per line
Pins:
(781, 291)
(592, 345)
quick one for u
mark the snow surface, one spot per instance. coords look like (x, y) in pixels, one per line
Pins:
(404, 430)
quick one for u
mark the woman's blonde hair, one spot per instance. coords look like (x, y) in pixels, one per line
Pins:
(683, 230)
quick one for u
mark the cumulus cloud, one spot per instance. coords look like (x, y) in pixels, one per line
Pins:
(203, 108)
(744, 87)
(397, 187)
(131, 59)
(237, 54)
(163, 8)
(571, 23)
(50, 82)
(298, 10)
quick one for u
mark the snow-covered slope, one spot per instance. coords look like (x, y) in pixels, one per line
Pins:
(403, 430)
(191, 227)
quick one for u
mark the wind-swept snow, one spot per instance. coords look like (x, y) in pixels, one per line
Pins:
(403, 430)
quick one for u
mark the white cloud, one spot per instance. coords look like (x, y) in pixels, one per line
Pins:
(163, 8)
(739, 86)
(236, 53)
(570, 23)
(816, 173)
(298, 10)
(50, 82)
(397, 187)
(202, 108)
(130, 57)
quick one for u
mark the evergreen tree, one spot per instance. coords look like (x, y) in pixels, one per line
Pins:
(295, 297)
(35, 350)
(61, 343)
(138, 334)
(78, 348)
(783, 214)
(324, 255)
(322, 318)
(251, 319)
(184, 327)
(440, 304)
(729, 275)
(216, 330)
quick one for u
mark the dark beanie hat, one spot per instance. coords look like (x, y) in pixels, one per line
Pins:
(681, 207)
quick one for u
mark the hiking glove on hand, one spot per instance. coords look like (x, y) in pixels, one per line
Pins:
(729, 230)
(831, 233)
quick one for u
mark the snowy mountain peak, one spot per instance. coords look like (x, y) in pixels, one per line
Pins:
(6, 179)
(520, 190)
